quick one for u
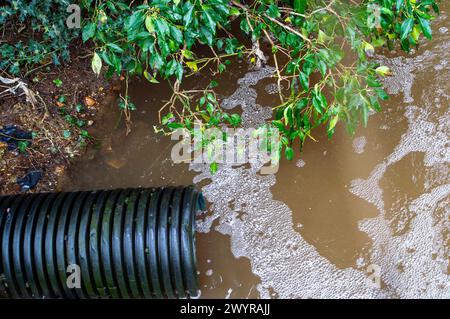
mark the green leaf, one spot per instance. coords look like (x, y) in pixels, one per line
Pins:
(115, 47)
(187, 54)
(88, 31)
(134, 21)
(304, 80)
(149, 25)
(178, 71)
(176, 34)
(400, 4)
(211, 21)
(382, 94)
(207, 35)
(162, 28)
(213, 167)
(300, 5)
(333, 122)
(235, 119)
(289, 152)
(22, 146)
(273, 11)
(221, 67)
(425, 26)
(187, 18)
(174, 126)
(406, 28)
(244, 26)
(57, 82)
(166, 118)
(149, 77)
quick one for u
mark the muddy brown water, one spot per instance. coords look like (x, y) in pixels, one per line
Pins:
(347, 212)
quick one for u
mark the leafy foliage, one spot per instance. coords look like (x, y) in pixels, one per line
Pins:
(40, 34)
(321, 50)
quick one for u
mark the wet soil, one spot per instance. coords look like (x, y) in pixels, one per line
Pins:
(57, 139)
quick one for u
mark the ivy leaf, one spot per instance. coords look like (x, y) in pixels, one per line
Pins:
(211, 22)
(207, 35)
(244, 26)
(96, 64)
(57, 82)
(300, 5)
(192, 65)
(273, 11)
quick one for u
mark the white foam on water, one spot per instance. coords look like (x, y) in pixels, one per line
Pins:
(359, 143)
(421, 252)
(300, 163)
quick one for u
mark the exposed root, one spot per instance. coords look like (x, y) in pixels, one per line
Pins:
(16, 85)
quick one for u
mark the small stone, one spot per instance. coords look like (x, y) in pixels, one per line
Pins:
(89, 101)
(59, 170)
(3, 147)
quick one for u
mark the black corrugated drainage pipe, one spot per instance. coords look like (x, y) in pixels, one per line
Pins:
(125, 243)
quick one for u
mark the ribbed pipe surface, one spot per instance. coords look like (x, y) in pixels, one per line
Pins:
(125, 243)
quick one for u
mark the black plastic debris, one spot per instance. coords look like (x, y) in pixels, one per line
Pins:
(30, 180)
(13, 135)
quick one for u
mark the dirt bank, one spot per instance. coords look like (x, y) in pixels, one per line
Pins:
(44, 136)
